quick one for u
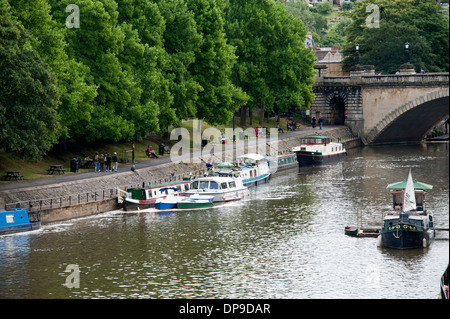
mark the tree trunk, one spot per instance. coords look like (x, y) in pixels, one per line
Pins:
(243, 116)
(261, 114)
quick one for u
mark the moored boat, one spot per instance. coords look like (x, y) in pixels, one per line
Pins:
(145, 197)
(283, 162)
(18, 220)
(351, 230)
(194, 203)
(318, 150)
(409, 224)
(222, 188)
(252, 168)
(444, 286)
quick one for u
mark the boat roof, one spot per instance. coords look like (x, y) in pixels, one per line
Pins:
(252, 156)
(214, 178)
(316, 136)
(402, 185)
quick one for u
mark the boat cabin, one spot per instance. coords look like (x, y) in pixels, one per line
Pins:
(398, 191)
(156, 192)
(315, 140)
(397, 199)
(212, 184)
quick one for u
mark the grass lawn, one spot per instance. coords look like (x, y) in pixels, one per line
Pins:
(35, 170)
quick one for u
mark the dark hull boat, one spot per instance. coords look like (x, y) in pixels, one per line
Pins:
(318, 150)
(407, 231)
(409, 225)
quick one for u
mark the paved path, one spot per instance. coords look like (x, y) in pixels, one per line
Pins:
(146, 163)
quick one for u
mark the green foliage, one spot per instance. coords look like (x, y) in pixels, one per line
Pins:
(135, 67)
(28, 93)
(415, 21)
(312, 21)
(274, 68)
(324, 7)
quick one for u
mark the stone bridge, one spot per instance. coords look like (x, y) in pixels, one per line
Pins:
(383, 109)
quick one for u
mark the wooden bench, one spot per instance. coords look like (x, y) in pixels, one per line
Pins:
(13, 174)
(56, 168)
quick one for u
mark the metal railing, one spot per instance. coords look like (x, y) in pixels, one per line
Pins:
(93, 196)
(64, 201)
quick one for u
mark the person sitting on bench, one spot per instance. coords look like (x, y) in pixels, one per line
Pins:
(150, 152)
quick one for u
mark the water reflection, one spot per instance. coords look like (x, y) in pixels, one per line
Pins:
(285, 241)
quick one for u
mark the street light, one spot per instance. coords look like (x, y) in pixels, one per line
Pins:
(406, 52)
(357, 54)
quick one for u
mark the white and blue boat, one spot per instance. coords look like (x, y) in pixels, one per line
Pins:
(18, 220)
(220, 188)
(252, 169)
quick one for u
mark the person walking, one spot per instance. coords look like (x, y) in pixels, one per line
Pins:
(101, 160)
(108, 162)
(96, 163)
(320, 122)
(313, 121)
(115, 160)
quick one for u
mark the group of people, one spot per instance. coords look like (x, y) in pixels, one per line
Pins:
(105, 162)
(313, 122)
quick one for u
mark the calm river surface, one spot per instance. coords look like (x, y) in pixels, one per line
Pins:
(286, 241)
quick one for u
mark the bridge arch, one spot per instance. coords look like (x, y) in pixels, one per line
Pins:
(412, 120)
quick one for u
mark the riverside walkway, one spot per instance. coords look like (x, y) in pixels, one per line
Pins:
(61, 179)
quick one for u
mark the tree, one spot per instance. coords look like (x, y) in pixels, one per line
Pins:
(213, 65)
(324, 8)
(415, 21)
(28, 93)
(115, 56)
(273, 67)
(47, 39)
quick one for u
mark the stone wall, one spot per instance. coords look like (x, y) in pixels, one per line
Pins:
(146, 175)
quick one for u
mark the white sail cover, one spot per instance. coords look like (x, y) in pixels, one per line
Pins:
(409, 199)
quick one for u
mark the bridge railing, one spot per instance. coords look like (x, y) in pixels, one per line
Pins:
(390, 78)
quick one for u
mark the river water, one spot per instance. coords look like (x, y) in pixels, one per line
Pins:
(285, 241)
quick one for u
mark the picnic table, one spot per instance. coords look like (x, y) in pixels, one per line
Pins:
(56, 169)
(13, 174)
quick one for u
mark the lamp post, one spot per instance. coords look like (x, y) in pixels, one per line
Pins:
(406, 52)
(357, 54)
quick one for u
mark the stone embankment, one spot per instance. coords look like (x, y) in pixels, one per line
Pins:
(148, 173)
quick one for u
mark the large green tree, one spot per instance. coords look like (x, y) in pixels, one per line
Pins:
(28, 93)
(116, 58)
(415, 21)
(213, 65)
(47, 39)
(274, 67)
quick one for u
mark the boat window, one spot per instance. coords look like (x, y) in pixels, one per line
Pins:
(186, 187)
(194, 185)
(232, 184)
(223, 185)
(9, 219)
(251, 173)
(213, 185)
(203, 185)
